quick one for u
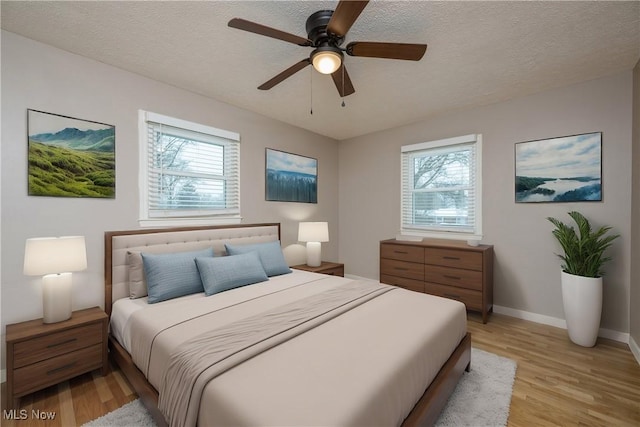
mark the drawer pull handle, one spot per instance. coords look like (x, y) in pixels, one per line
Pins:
(401, 252)
(452, 296)
(61, 368)
(455, 258)
(62, 343)
(453, 277)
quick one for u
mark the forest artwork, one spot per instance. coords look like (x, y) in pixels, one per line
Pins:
(291, 178)
(565, 169)
(70, 157)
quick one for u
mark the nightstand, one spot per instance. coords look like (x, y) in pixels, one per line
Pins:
(40, 355)
(331, 268)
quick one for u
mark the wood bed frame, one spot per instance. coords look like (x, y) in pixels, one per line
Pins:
(424, 413)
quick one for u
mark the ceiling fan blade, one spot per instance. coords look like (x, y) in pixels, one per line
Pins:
(346, 89)
(344, 16)
(408, 51)
(252, 27)
(285, 74)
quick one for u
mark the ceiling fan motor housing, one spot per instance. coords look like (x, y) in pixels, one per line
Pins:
(316, 27)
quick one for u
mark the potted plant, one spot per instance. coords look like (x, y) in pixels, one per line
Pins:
(582, 276)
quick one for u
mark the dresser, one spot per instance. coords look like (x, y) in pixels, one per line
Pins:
(40, 355)
(446, 268)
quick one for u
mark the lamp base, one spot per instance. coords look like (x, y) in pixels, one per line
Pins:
(56, 297)
(314, 256)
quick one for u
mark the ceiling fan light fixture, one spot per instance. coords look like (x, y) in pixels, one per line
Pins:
(326, 59)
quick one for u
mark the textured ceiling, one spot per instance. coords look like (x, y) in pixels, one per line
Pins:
(479, 52)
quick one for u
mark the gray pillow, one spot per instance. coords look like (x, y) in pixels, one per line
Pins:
(172, 275)
(270, 254)
(220, 274)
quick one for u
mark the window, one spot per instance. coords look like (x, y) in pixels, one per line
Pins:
(441, 188)
(189, 173)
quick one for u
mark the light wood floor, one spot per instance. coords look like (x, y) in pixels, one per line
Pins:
(557, 383)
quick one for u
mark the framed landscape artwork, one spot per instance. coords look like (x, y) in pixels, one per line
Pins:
(564, 169)
(70, 157)
(290, 177)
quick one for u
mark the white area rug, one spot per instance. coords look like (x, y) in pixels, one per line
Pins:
(481, 399)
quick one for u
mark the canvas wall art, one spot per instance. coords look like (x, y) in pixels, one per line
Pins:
(70, 157)
(291, 177)
(564, 169)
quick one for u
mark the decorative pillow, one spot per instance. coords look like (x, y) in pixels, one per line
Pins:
(270, 254)
(137, 284)
(172, 275)
(228, 272)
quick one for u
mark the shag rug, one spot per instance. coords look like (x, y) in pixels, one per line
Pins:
(481, 398)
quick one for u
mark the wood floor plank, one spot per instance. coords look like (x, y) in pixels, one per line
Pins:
(557, 383)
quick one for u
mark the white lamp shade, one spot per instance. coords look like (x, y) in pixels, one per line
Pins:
(52, 255)
(313, 232)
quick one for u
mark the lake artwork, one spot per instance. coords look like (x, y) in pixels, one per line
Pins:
(291, 178)
(566, 169)
(70, 157)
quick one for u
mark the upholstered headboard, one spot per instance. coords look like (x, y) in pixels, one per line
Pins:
(118, 243)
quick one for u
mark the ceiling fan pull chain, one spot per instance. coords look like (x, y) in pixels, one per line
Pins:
(343, 104)
(311, 90)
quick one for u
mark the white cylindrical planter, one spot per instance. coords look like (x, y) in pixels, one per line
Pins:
(582, 301)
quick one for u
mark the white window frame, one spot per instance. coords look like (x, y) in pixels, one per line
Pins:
(173, 218)
(444, 232)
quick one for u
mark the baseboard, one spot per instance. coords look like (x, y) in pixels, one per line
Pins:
(635, 349)
(557, 322)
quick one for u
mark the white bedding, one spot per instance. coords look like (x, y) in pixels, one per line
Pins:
(368, 366)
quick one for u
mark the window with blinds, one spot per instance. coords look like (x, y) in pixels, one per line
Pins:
(188, 171)
(441, 187)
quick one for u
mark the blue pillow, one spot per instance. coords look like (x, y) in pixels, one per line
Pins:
(270, 254)
(228, 272)
(172, 275)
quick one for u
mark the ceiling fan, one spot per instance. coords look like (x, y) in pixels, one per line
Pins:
(326, 30)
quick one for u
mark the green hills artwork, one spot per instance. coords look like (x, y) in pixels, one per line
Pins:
(70, 157)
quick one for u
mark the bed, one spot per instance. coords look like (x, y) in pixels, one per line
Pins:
(299, 348)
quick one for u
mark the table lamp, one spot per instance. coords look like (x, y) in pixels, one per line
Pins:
(54, 258)
(313, 233)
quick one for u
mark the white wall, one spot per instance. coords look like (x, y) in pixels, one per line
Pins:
(527, 273)
(634, 329)
(41, 77)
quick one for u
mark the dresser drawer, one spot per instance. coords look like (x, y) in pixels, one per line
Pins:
(409, 270)
(402, 252)
(52, 371)
(469, 279)
(35, 350)
(472, 299)
(453, 258)
(410, 284)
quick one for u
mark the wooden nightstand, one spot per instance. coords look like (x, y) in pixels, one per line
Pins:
(331, 268)
(40, 355)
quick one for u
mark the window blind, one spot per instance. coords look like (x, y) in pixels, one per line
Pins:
(191, 172)
(440, 186)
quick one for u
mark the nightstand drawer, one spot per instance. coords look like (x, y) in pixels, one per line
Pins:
(35, 350)
(453, 258)
(410, 270)
(402, 253)
(469, 279)
(472, 299)
(52, 371)
(336, 271)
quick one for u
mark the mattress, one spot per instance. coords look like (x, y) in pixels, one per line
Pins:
(368, 366)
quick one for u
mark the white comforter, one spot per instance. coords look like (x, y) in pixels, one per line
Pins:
(368, 366)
